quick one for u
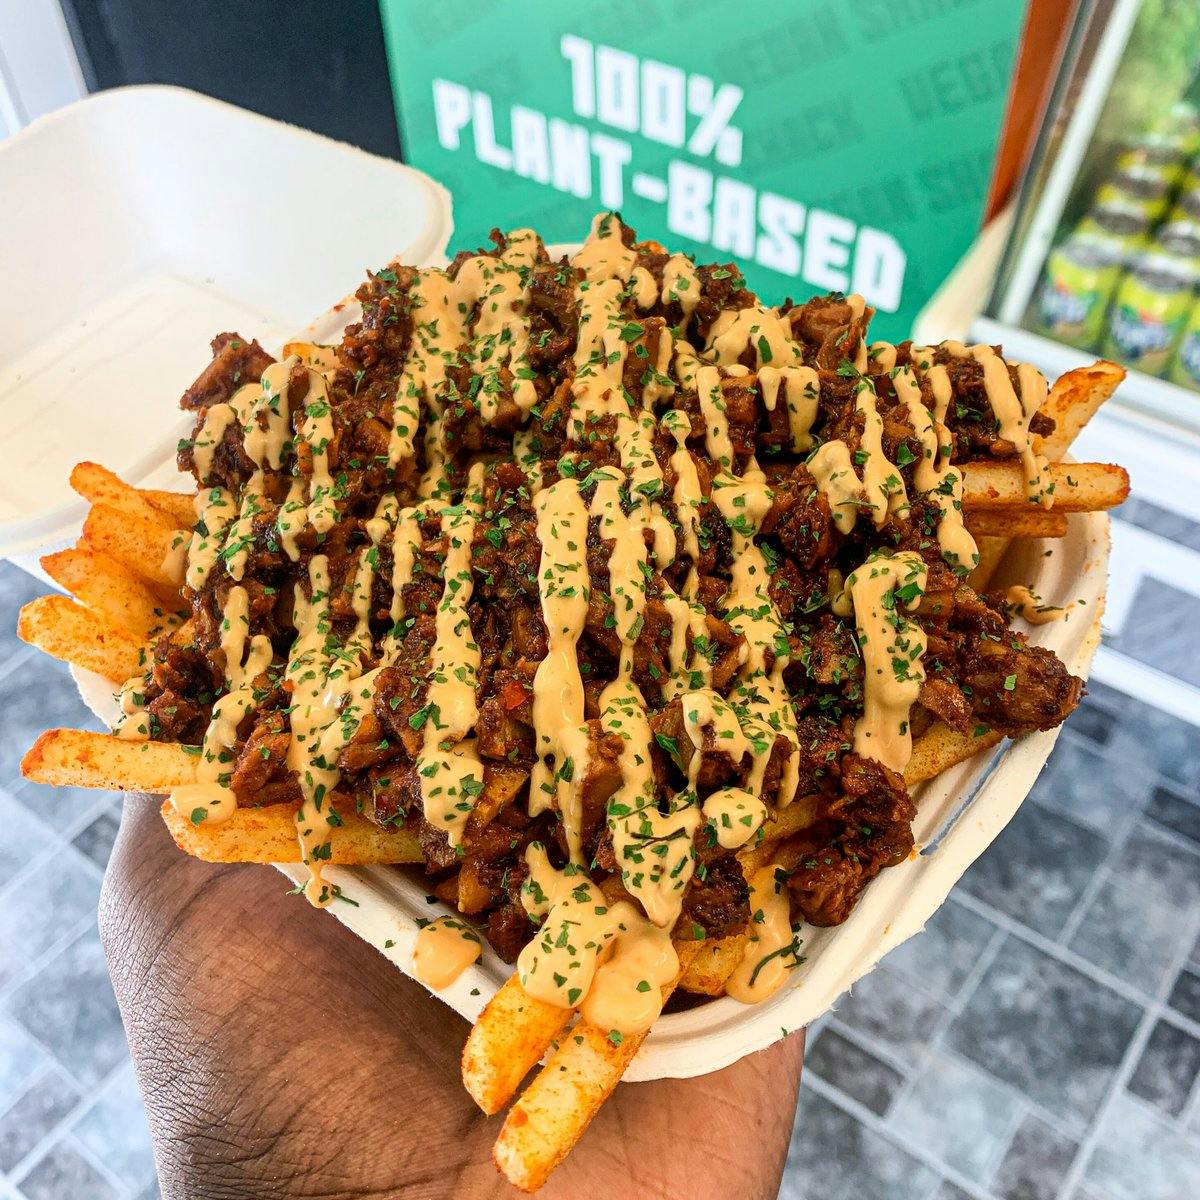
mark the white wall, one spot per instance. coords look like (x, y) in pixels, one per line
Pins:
(38, 68)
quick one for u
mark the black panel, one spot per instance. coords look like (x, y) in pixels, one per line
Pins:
(320, 65)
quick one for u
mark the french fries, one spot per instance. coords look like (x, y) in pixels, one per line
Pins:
(268, 835)
(110, 590)
(78, 758)
(126, 595)
(1077, 487)
(69, 632)
(138, 542)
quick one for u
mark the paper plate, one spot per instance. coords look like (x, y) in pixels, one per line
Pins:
(958, 815)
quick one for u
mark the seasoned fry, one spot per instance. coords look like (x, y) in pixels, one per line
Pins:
(991, 552)
(178, 507)
(99, 485)
(139, 543)
(71, 633)
(713, 964)
(1005, 523)
(106, 587)
(314, 355)
(78, 758)
(558, 1105)
(268, 835)
(1073, 401)
(940, 748)
(507, 1042)
(1078, 487)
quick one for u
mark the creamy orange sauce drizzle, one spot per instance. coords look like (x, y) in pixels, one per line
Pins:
(771, 953)
(1013, 412)
(564, 589)
(449, 767)
(608, 960)
(1029, 606)
(802, 395)
(892, 646)
(444, 949)
(210, 800)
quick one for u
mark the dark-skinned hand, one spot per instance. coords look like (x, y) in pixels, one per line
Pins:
(281, 1056)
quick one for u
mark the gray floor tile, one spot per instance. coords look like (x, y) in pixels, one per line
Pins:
(114, 1130)
(1164, 634)
(1167, 1070)
(942, 956)
(21, 1059)
(1157, 740)
(1068, 784)
(1185, 995)
(1172, 810)
(854, 1072)
(64, 1172)
(1130, 933)
(899, 1015)
(834, 1157)
(1037, 869)
(62, 808)
(38, 695)
(43, 905)
(35, 1116)
(1092, 722)
(1161, 521)
(958, 1113)
(96, 840)
(1138, 1156)
(17, 587)
(25, 837)
(70, 1007)
(1047, 1029)
(1035, 1164)
(1166, 870)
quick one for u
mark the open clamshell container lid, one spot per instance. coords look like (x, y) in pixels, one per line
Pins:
(136, 225)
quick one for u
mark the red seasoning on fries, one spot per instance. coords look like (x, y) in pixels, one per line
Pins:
(628, 607)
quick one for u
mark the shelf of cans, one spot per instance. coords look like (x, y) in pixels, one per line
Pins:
(1123, 282)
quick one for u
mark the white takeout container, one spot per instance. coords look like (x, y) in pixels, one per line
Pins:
(217, 219)
(134, 226)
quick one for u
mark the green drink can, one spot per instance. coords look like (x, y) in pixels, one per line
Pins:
(1185, 366)
(1149, 311)
(1077, 286)
(1180, 239)
(1119, 221)
(1143, 189)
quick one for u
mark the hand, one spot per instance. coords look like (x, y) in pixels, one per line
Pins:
(281, 1056)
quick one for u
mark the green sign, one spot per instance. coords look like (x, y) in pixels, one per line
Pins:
(825, 145)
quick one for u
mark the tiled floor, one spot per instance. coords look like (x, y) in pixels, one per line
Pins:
(1039, 1041)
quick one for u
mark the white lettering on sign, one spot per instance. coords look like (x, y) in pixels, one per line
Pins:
(690, 113)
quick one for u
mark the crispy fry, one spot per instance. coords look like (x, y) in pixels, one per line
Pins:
(991, 551)
(138, 543)
(178, 507)
(314, 355)
(1073, 401)
(77, 758)
(99, 485)
(1007, 524)
(507, 1042)
(1078, 487)
(715, 961)
(108, 589)
(940, 747)
(554, 1110)
(268, 835)
(68, 631)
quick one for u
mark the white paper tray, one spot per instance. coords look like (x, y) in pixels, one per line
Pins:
(138, 223)
(958, 815)
(214, 218)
